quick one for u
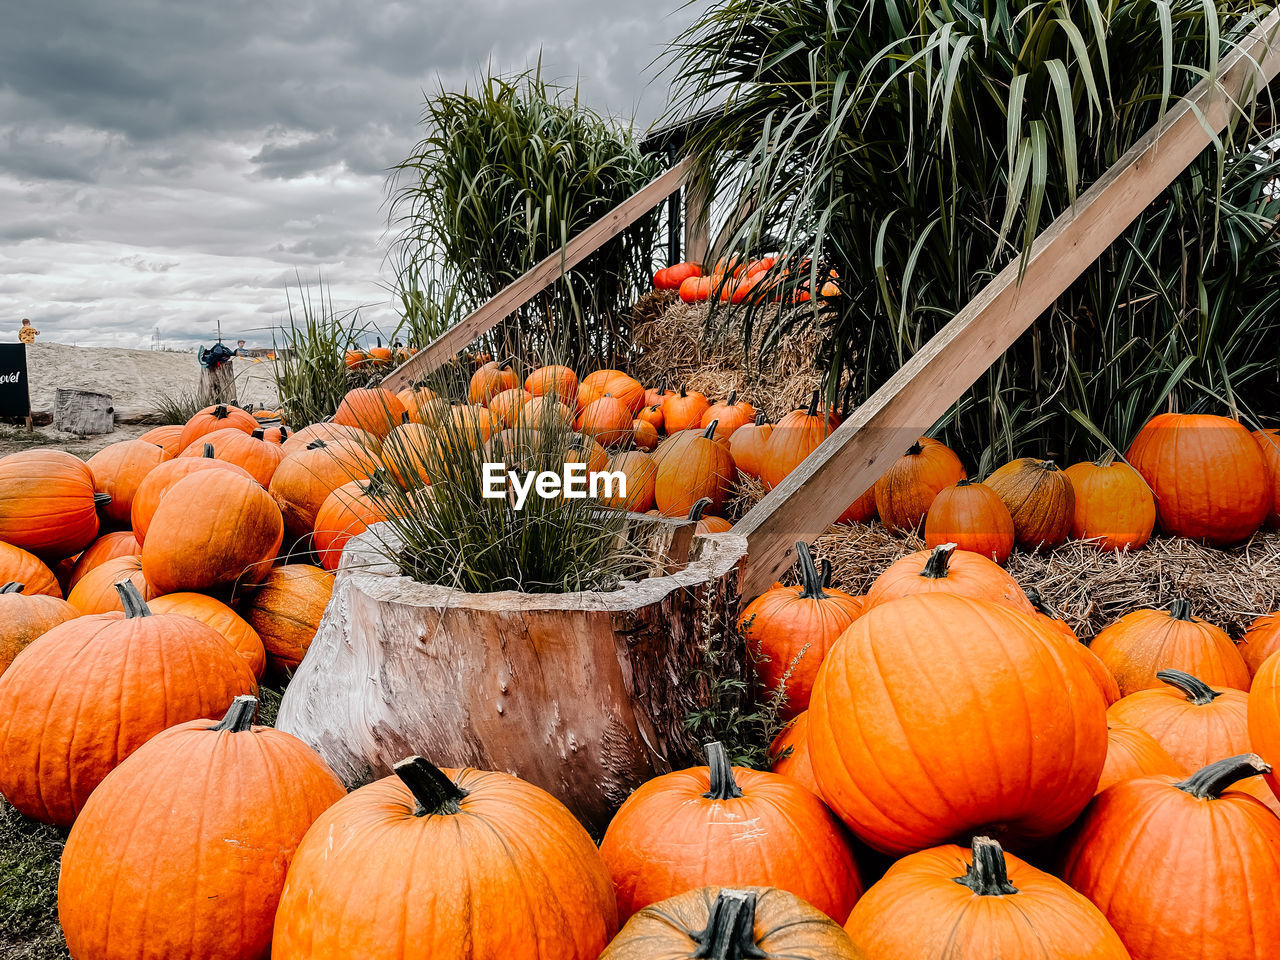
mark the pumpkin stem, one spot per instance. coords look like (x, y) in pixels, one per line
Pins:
(1195, 689)
(730, 930)
(284, 433)
(710, 432)
(316, 445)
(1180, 609)
(435, 793)
(733, 398)
(988, 874)
(1208, 782)
(12, 587)
(258, 434)
(101, 499)
(760, 419)
(220, 412)
(826, 572)
(915, 449)
(1049, 466)
(208, 452)
(239, 717)
(1107, 459)
(404, 417)
(695, 512)
(964, 482)
(134, 605)
(809, 577)
(1042, 605)
(683, 392)
(723, 785)
(935, 568)
(813, 404)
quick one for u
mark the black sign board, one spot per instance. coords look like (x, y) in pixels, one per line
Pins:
(15, 399)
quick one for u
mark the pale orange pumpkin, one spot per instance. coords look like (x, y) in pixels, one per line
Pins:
(906, 490)
(1113, 505)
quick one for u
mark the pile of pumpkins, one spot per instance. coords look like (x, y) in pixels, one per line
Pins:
(737, 279)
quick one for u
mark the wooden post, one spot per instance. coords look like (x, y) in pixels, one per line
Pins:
(849, 461)
(697, 218)
(217, 384)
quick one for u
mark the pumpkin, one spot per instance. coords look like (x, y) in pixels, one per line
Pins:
(652, 415)
(19, 566)
(303, 480)
(1039, 498)
(906, 490)
(212, 530)
(585, 450)
(506, 406)
(168, 438)
(407, 455)
(118, 469)
(644, 435)
(249, 451)
(470, 424)
(370, 409)
(1182, 868)
(1113, 505)
(790, 631)
(1260, 641)
(653, 396)
(730, 415)
(86, 694)
(508, 873)
(1144, 641)
(216, 614)
(606, 420)
(346, 512)
(793, 438)
(978, 903)
(543, 413)
(489, 381)
(188, 870)
(911, 679)
(671, 278)
(641, 475)
(48, 503)
(862, 510)
(789, 753)
(747, 445)
(701, 467)
(557, 382)
(422, 405)
(1269, 444)
(1132, 752)
(1192, 721)
(1208, 475)
(162, 479)
(973, 517)
(725, 825)
(684, 410)
(216, 417)
(121, 543)
(944, 569)
(622, 387)
(354, 359)
(732, 924)
(1046, 615)
(328, 431)
(23, 617)
(96, 592)
(286, 610)
(706, 525)
(379, 356)
(1263, 714)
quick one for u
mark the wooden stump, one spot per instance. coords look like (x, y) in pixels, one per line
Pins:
(217, 384)
(83, 412)
(585, 695)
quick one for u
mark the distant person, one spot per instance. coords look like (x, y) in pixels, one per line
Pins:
(28, 333)
(240, 351)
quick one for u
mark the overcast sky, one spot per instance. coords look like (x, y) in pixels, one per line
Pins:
(165, 163)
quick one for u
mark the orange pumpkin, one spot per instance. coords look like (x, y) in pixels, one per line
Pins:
(407, 454)
(347, 512)
(543, 413)
(19, 566)
(379, 356)
(121, 543)
(216, 614)
(422, 405)
(1131, 753)
(216, 417)
(161, 480)
(489, 381)
(641, 476)
(327, 431)
(506, 406)
(973, 517)
(286, 610)
(906, 490)
(354, 359)
(118, 469)
(652, 415)
(730, 415)
(606, 420)
(945, 569)
(303, 480)
(644, 435)
(557, 382)
(862, 510)
(701, 467)
(622, 387)
(48, 503)
(706, 525)
(793, 438)
(1113, 505)
(747, 445)
(684, 410)
(96, 591)
(1260, 641)
(789, 754)
(168, 438)
(585, 450)
(1269, 444)
(370, 409)
(725, 825)
(23, 617)
(249, 451)
(1040, 499)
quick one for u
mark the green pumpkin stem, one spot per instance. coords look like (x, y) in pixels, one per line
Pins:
(1208, 782)
(1195, 689)
(435, 793)
(695, 512)
(935, 568)
(914, 450)
(813, 404)
(826, 572)
(208, 452)
(810, 579)
(720, 770)
(101, 499)
(733, 398)
(730, 930)
(988, 874)
(1180, 609)
(134, 605)
(239, 716)
(710, 432)
(12, 587)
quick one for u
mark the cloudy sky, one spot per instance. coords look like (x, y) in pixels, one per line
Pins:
(166, 163)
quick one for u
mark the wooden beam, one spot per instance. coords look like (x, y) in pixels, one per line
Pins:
(520, 291)
(850, 460)
(697, 219)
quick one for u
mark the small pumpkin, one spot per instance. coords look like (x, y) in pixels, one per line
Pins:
(219, 416)
(118, 469)
(1040, 499)
(973, 517)
(555, 381)
(23, 617)
(1113, 505)
(747, 445)
(216, 614)
(489, 381)
(20, 566)
(652, 415)
(347, 512)
(644, 435)
(1260, 641)
(1132, 752)
(162, 479)
(706, 525)
(907, 489)
(729, 415)
(285, 612)
(370, 409)
(96, 593)
(684, 410)
(701, 467)
(48, 503)
(944, 569)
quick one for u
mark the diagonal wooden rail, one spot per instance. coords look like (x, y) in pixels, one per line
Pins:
(520, 291)
(851, 459)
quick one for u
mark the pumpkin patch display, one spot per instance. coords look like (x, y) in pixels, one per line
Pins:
(118, 469)
(944, 569)
(48, 503)
(23, 617)
(973, 517)
(907, 489)
(1113, 505)
(732, 826)
(285, 612)
(20, 566)
(1132, 752)
(1039, 498)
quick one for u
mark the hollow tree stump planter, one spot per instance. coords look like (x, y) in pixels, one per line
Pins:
(584, 694)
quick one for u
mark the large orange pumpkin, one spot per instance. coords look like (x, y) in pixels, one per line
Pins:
(503, 870)
(606, 420)
(118, 469)
(211, 531)
(973, 517)
(85, 695)
(1113, 505)
(1132, 752)
(189, 840)
(731, 826)
(120, 543)
(286, 610)
(1260, 641)
(730, 415)
(978, 903)
(168, 437)
(907, 489)
(370, 409)
(912, 679)
(1183, 868)
(793, 438)
(701, 467)
(214, 613)
(249, 451)
(945, 569)
(161, 480)
(747, 445)
(216, 417)
(557, 382)
(1040, 499)
(1264, 714)
(1269, 444)
(641, 476)
(346, 512)
(304, 479)
(19, 566)
(1208, 475)
(684, 410)
(23, 617)
(596, 385)
(96, 591)
(48, 503)
(331, 431)
(1192, 721)
(1145, 641)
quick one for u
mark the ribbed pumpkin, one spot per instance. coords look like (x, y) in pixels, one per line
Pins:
(542, 413)
(641, 476)
(96, 592)
(1039, 498)
(20, 566)
(161, 480)
(48, 504)
(683, 410)
(211, 531)
(596, 385)
(790, 631)
(328, 431)
(286, 610)
(189, 840)
(85, 695)
(606, 420)
(794, 437)
(730, 414)
(587, 451)
(249, 451)
(1260, 641)
(978, 903)
(118, 469)
(1184, 869)
(1264, 714)
(1113, 505)
(423, 405)
(216, 417)
(706, 525)
(23, 617)
(907, 489)
(644, 435)
(973, 517)
(345, 513)
(489, 381)
(862, 510)
(789, 754)
(465, 865)
(700, 467)
(506, 406)
(408, 454)
(912, 679)
(1144, 641)
(652, 415)
(120, 543)
(1195, 723)
(1208, 475)
(747, 445)
(1131, 753)
(370, 409)
(168, 437)
(216, 614)
(729, 924)
(1269, 444)
(725, 825)
(558, 382)
(303, 480)
(945, 569)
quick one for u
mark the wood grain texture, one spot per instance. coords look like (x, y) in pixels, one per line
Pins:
(855, 454)
(83, 412)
